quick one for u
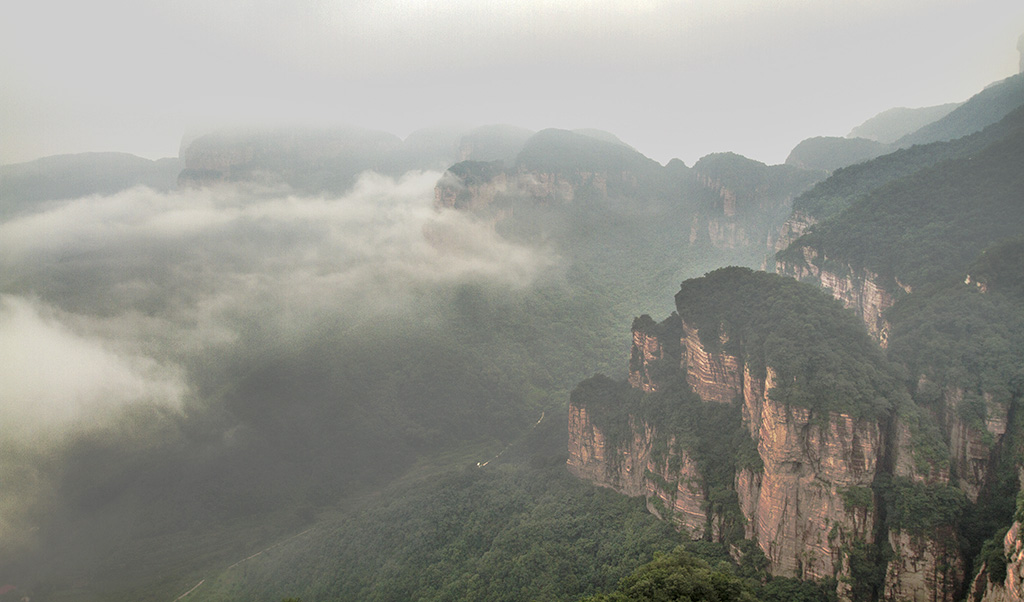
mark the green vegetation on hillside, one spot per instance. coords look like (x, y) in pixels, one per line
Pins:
(822, 357)
(506, 532)
(922, 227)
(698, 573)
(846, 185)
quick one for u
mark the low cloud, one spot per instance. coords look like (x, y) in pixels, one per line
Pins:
(54, 378)
(106, 295)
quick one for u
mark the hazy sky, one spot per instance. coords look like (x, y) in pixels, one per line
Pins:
(672, 78)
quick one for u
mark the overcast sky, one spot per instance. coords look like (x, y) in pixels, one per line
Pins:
(673, 78)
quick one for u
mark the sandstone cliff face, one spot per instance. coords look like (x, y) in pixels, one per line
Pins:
(859, 290)
(647, 349)
(714, 375)
(642, 466)
(1011, 589)
(794, 507)
(793, 228)
(726, 195)
(905, 464)
(724, 233)
(811, 502)
(738, 218)
(924, 568)
(970, 447)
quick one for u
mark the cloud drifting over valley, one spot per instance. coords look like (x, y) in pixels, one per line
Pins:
(109, 297)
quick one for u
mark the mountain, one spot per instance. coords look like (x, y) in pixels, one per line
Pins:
(493, 143)
(389, 386)
(871, 434)
(312, 159)
(330, 159)
(891, 125)
(25, 186)
(903, 128)
(764, 416)
(731, 203)
(984, 108)
(926, 221)
(830, 153)
(846, 185)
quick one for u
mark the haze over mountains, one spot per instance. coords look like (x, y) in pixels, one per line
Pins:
(335, 364)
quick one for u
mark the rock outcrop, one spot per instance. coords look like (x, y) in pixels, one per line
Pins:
(830, 482)
(795, 507)
(924, 567)
(745, 200)
(648, 354)
(971, 447)
(670, 481)
(794, 227)
(792, 505)
(1011, 588)
(861, 290)
(714, 374)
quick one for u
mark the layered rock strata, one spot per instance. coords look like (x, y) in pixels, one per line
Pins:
(670, 481)
(860, 290)
(799, 517)
(793, 507)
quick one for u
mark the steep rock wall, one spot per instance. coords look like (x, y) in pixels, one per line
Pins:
(924, 567)
(1011, 589)
(641, 466)
(794, 507)
(793, 228)
(859, 290)
(647, 349)
(739, 218)
(970, 447)
(714, 375)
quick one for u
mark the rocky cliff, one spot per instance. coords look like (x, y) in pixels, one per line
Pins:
(805, 498)
(795, 507)
(924, 567)
(971, 446)
(861, 290)
(669, 480)
(475, 185)
(831, 466)
(1011, 587)
(745, 200)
